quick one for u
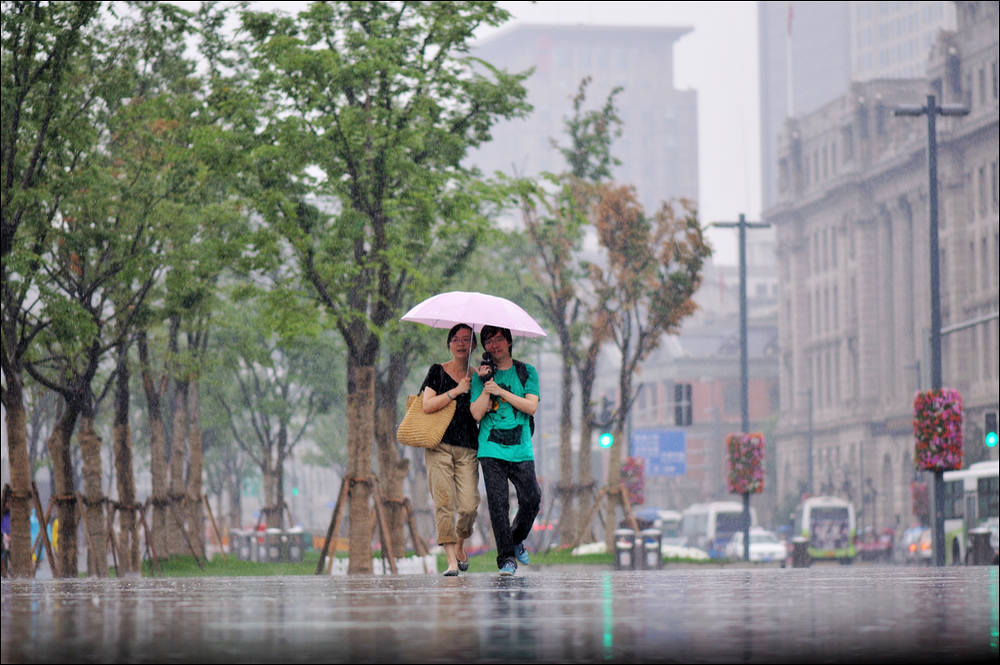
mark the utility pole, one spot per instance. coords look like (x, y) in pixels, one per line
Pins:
(743, 225)
(932, 110)
(812, 489)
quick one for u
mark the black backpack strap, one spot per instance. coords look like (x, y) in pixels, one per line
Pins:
(522, 374)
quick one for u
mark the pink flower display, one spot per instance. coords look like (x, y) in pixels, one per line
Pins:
(634, 479)
(937, 430)
(746, 463)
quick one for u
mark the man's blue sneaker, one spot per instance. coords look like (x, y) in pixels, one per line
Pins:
(508, 569)
(522, 554)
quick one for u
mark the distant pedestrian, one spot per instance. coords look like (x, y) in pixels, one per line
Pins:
(504, 400)
(452, 472)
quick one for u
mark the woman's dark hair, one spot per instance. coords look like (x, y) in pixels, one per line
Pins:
(490, 331)
(461, 326)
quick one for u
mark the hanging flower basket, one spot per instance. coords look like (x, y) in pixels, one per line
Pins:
(633, 477)
(746, 463)
(937, 430)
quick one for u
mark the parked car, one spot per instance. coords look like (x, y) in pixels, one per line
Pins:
(916, 545)
(764, 546)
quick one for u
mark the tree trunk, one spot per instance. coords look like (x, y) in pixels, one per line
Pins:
(94, 515)
(157, 447)
(235, 498)
(360, 432)
(615, 457)
(279, 476)
(64, 491)
(196, 511)
(267, 486)
(420, 495)
(20, 479)
(393, 468)
(178, 456)
(122, 439)
(585, 473)
(565, 493)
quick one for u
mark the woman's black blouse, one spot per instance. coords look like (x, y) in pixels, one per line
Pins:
(463, 429)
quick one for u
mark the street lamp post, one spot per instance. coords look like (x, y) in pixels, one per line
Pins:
(743, 225)
(809, 394)
(932, 110)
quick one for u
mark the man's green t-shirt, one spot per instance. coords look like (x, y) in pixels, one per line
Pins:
(497, 430)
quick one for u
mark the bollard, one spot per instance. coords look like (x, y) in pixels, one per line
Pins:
(980, 551)
(652, 556)
(800, 553)
(624, 549)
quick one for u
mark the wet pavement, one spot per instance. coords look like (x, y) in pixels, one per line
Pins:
(569, 614)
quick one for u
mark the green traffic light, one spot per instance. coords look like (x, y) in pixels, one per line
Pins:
(606, 440)
(991, 439)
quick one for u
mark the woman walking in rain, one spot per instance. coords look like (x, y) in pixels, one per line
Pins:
(452, 467)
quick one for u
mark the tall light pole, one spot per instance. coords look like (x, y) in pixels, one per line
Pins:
(809, 393)
(932, 110)
(743, 225)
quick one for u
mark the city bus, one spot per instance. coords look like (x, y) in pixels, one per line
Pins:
(970, 501)
(709, 526)
(828, 523)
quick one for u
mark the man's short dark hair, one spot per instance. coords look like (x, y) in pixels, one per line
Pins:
(490, 331)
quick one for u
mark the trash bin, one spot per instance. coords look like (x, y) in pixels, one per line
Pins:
(624, 549)
(652, 556)
(292, 545)
(980, 550)
(272, 546)
(239, 544)
(800, 553)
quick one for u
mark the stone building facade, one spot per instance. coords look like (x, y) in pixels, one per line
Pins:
(852, 220)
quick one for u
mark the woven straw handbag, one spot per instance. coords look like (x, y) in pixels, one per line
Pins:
(423, 430)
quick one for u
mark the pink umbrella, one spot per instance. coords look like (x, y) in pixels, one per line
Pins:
(476, 309)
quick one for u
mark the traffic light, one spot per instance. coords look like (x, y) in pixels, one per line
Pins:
(991, 429)
(605, 440)
(682, 404)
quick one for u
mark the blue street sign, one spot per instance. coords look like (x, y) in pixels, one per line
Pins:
(665, 451)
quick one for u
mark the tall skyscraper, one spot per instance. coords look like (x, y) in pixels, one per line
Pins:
(658, 148)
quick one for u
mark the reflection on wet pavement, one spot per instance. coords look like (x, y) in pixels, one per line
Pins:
(578, 614)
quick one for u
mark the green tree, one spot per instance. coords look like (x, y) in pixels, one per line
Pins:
(372, 107)
(653, 269)
(272, 387)
(556, 215)
(46, 101)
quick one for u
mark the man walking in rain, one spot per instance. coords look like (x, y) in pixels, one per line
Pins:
(504, 399)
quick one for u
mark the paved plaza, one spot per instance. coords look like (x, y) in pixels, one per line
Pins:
(573, 614)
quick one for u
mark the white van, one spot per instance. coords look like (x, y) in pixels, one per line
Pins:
(709, 526)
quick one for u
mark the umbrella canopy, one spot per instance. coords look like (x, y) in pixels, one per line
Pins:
(476, 309)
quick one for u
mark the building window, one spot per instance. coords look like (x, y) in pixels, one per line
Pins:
(971, 275)
(981, 173)
(984, 269)
(836, 310)
(994, 184)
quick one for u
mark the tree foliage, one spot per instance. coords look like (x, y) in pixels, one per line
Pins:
(369, 110)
